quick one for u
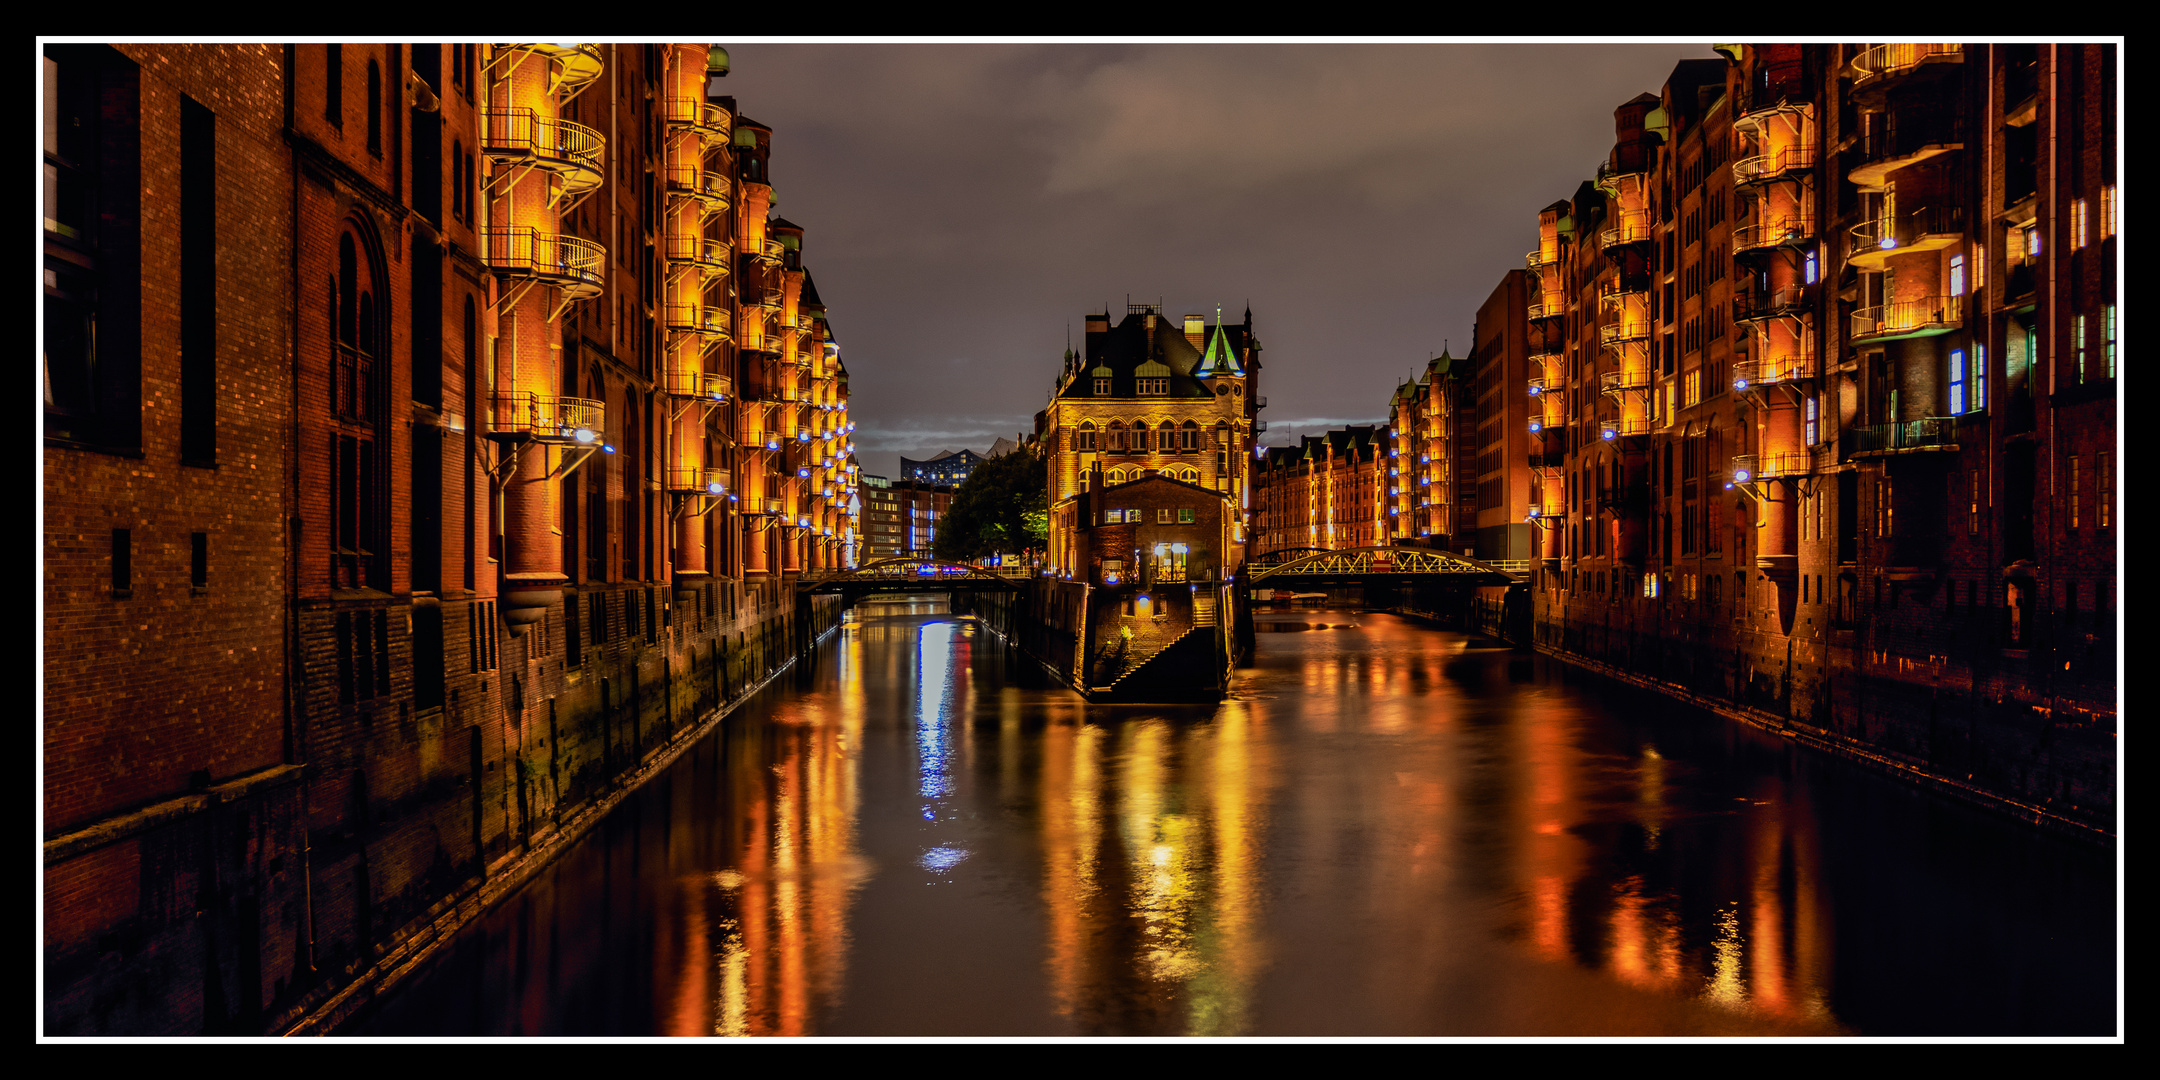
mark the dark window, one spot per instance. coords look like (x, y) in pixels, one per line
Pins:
(123, 564)
(198, 284)
(199, 562)
(357, 398)
(334, 84)
(374, 108)
(92, 181)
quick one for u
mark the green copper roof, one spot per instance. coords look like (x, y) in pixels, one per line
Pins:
(1220, 358)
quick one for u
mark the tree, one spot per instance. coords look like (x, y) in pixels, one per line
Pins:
(1003, 507)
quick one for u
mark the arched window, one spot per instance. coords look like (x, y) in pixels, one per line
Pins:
(359, 481)
(1139, 436)
(1190, 436)
(1117, 435)
(1190, 475)
(1117, 476)
(1085, 438)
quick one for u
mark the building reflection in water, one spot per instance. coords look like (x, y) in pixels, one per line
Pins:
(1383, 832)
(780, 905)
(1150, 834)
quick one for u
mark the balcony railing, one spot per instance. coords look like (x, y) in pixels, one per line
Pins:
(1909, 318)
(1628, 227)
(1903, 138)
(1748, 468)
(1890, 61)
(1928, 434)
(1548, 309)
(1536, 261)
(711, 122)
(689, 382)
(1613, 382)
(574, 152)
(1764, 167)
(1793, 362)
(1613, 429)
(547, 419)
(705, 320)
(1768, 234)
(699, 478)
(572, 67)
(708, 186)
(1927, 229)
(566, 262)
(1615, 333)
(1751, 304)
(706, 254)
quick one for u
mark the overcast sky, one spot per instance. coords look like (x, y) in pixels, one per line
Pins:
(964, 205)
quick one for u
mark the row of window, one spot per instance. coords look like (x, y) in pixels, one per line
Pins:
(1164, 515)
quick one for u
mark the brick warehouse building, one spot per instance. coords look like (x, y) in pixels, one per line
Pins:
(1825, 362)
(487, 423)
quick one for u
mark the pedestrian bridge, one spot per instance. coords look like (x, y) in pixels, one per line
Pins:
(907, 575)
(1386, 566)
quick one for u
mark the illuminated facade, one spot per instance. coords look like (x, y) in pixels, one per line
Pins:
(530, 405)
(1329, 491)
(1824, 364)
(1423, 415)
(1150, 398)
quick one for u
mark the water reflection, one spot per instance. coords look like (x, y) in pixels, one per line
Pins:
(1387, 830)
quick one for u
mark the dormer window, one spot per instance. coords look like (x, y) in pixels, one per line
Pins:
(1102, 387)
(1156, 387)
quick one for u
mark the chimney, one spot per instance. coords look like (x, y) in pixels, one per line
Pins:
(1195, 333)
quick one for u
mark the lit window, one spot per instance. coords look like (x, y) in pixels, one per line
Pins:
(1957, 275)
(2077, 224)
(2107, 211)
(2107, 338)
(1814, 428)
(1979, 377)
(1957, 382)
(2077, 338)
(1814, 266)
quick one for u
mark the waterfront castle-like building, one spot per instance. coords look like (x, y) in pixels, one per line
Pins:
(1150, 398)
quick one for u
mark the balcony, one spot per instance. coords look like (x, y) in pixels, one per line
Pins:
(769, 251)
(708, 186)
(1628, 227)
(1908, 319)
(1614, 382)
(1536, 262)
(1932, 434)
(521, 415)
(1614, 334)
(709, 256)
(1613, 429)
(689, 382)
(1538, 385)
(698, 478)
(1875, 69)
(1750, 468)
(1551, 309)
(574, 153)
(571, 67)
(712, 123)
(1751, 305)
(1793, 363)
(1929, 229)
(708, 321)
(569, 263)
(1904, 138)
(1797, 229)
(1763, 168)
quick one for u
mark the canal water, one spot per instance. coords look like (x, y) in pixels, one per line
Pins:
(1390, 829)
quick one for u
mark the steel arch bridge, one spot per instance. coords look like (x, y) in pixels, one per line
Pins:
(1389, 566)
(905, 575)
